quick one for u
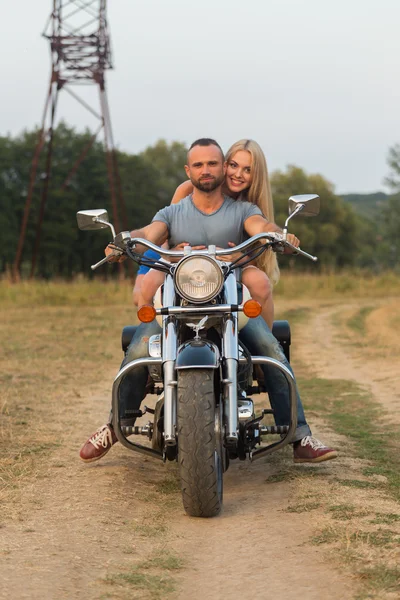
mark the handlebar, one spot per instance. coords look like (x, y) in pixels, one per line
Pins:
(273, 236)
(181, 254)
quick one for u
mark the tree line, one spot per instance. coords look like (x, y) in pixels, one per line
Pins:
(338, 236)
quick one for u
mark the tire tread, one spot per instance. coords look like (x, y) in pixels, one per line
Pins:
(196, 435)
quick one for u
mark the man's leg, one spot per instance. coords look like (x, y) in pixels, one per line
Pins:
(258, 339)
(132, 388)
(131, 391)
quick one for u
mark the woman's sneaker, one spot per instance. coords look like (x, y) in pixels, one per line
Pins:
(311, 450)
(98, 444)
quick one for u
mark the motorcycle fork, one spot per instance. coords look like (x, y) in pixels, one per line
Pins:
(169, 346)
(230, 353)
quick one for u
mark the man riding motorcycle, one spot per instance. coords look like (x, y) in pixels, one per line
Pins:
(203, 218)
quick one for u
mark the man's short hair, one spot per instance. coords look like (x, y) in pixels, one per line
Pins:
(205, 142)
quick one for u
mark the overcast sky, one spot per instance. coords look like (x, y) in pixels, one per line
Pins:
(315, 82)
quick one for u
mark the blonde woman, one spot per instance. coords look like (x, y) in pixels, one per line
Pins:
(246, 179)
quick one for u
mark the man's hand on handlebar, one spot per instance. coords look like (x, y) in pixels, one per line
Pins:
(292, 239)
(112, 252)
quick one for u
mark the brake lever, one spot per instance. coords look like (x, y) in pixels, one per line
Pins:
(301, 252)
(115, 252)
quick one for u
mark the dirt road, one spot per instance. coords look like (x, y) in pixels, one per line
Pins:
(104, 530)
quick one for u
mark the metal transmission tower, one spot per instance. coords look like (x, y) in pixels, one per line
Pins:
(80, 55)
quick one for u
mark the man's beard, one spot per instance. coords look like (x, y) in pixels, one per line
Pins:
(210, 185)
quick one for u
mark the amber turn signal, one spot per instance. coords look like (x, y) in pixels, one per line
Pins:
(252, 308)
(146, 313)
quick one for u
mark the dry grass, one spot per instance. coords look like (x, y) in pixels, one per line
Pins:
(84, 292)
(80, 292)
(356, 507)
(50, 352)
(338, 285)
(55, 340)
(358, 529)
(53, 336)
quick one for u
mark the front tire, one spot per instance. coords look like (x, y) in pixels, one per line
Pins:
(199, 454)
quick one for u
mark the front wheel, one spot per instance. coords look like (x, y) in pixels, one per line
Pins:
(199, 454)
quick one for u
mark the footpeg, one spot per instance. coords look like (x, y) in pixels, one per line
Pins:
(267, 430)
(146, 430)
(274, 429)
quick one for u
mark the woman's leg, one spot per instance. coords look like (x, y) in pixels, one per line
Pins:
(150, 284)
(258, 339)
(260, 289)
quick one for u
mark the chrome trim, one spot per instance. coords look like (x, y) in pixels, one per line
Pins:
(197, 367)
(267, 235)
(245, 409)
(298, 208)
(110, 225)
(264, 360)
(230, 353)
(230, 329)
(197, 326)
(169, 347)
(155, 372)
(230, 399)
(102, 262)
(199, 310)
(134, 364)
(209, 296)
(155, 346)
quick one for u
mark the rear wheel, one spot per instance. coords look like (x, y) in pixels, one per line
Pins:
(199, 454)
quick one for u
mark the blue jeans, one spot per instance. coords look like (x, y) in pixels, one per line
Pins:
(257, 338)
(132, 388)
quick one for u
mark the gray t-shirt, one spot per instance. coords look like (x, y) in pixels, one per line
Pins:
(186, 223)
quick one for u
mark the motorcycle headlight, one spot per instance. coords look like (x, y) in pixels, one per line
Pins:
(198, 279)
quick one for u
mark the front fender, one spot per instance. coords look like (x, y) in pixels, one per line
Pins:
(197, 354)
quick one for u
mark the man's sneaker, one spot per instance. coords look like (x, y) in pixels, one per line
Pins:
(98, 444)
(311, 450)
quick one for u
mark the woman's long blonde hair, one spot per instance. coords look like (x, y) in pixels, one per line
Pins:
(259, 193)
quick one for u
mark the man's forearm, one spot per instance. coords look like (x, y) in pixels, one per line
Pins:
(156, 232)
(139, 233)
(269, 226)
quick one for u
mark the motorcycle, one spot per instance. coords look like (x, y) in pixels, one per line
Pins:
(203, 375)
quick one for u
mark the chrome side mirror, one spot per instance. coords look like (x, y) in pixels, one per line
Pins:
(305, 204)
(96, 218)
(310, 204)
